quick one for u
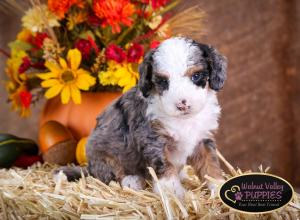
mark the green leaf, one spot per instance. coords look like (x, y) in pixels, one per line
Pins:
(84, 35)
(19, 45)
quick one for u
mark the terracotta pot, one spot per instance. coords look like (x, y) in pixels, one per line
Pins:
(79, 119)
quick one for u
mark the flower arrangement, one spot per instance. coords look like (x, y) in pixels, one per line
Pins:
(66, 47)
(70, 46)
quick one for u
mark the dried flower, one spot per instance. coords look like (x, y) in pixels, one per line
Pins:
(51, 50)
(99, 60)
(155, 21)
(33, 19)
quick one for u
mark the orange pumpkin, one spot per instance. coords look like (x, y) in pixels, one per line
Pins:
(52, 133)
(79, 119)
(80, 151)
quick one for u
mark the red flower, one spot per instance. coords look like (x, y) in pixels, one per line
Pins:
(114, 13)
(39, 64)
(156, 3)
(25, 98)
(25, 65)
(116, 53)
(93, 20)
(135, 52)
(93, 44)
(38, 40)
(143, 13)
(154, 44)
(86, 47)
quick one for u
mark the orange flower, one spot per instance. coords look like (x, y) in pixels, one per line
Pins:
(61, 7)
(114, 12)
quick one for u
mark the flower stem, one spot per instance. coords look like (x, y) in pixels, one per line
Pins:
(5, 53)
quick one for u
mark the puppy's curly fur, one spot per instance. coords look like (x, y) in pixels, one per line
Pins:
(165, 122)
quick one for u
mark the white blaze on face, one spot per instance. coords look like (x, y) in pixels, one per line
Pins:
(173, 58)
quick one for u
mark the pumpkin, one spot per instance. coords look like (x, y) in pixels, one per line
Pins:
(57, 143)
(80, 151)
(80, 119)
(51, 133)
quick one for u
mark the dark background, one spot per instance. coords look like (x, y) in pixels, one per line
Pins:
(261, 98)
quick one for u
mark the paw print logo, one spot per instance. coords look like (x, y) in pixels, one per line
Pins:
(238, 196)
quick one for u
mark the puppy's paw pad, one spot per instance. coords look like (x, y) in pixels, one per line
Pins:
(133, 181)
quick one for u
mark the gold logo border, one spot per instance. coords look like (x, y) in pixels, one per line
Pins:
(262, 174)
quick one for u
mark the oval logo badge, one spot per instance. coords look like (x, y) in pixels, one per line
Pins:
(256, 193)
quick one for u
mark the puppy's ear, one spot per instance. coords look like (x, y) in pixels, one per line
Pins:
(218, 69)
(145, 69)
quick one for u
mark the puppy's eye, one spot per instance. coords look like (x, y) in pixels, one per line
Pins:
(196, 77)
(199, 78)
(164, 81)
(161, 80)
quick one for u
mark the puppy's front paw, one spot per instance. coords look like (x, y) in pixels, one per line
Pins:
(133, 181)
(214, 188)
(172, 184)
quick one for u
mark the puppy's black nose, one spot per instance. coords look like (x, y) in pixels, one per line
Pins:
(182, 105)
(181, 108)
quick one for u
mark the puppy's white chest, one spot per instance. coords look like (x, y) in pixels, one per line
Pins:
(187, 134)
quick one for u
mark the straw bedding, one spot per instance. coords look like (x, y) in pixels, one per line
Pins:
(34, 194)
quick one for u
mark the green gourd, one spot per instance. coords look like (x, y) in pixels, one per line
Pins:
(11, 147)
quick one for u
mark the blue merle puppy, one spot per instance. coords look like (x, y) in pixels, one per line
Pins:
(165, 122)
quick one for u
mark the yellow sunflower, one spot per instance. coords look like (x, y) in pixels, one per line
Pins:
(124, 75)
(66, 78)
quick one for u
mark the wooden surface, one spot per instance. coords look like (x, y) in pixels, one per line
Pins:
(261, 99)
(259, 114)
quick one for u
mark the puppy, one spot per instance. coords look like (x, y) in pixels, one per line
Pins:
(165, 122)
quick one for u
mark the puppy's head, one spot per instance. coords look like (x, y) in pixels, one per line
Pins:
(182, 73)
